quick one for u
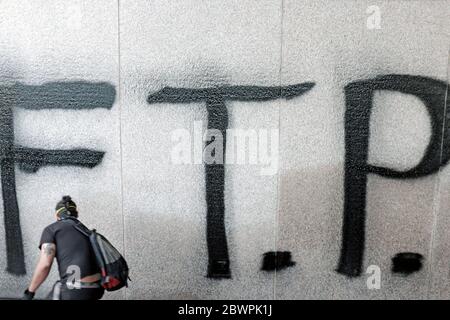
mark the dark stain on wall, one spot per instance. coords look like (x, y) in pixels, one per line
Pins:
(359, 104)
(56, 95)
(218, 258)
(277, 260)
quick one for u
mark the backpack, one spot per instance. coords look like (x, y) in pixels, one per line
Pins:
(113, 267)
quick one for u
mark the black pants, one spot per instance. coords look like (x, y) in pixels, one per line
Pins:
(62, 292)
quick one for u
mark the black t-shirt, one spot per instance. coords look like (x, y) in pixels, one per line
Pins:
(72, 248)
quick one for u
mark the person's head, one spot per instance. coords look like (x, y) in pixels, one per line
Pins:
(66, 207)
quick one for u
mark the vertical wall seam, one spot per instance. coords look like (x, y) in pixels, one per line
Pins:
(277, 212)
(119, 94)
(437, 193)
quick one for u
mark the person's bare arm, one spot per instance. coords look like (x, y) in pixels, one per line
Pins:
(48, 251)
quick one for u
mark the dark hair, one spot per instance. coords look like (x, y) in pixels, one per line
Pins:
(67, 206)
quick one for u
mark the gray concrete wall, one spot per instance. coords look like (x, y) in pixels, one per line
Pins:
(154, 211)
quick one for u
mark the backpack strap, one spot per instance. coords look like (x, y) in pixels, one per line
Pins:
(78, 226)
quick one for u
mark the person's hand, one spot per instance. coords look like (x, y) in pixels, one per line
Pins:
(28, 295)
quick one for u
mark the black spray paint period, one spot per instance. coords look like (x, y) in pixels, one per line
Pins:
(218, 258)
(406, 263)
(56, 95)
(277, 260)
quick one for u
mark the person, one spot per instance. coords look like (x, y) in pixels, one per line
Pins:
(78, 270)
